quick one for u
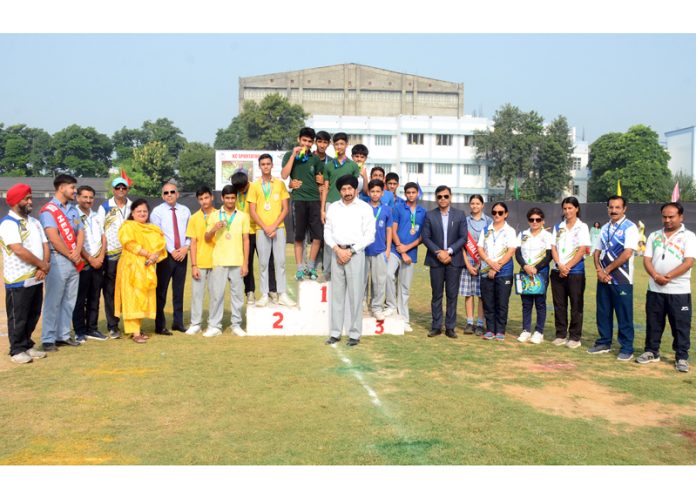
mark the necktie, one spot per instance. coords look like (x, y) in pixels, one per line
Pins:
(177, 240)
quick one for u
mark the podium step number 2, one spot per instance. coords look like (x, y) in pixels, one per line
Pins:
(310, 317)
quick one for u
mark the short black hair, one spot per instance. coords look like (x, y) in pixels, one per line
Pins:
(63, 178)
(500, 203)
(265, 156)
(375, 183)
(85, 188)
(323, 135)
(410, 185)
(239, 181)
(360, 149)
(307, 132)
(204, 189)
(476, 196)
(340, 136)
(137, 203)
(574, 201)
(377, 169)
(228, 189)
(535, 211)
(392, 176)
(675, 204)
(441, 188)
(615, 197)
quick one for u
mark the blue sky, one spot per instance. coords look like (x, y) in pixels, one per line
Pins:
(600, 82)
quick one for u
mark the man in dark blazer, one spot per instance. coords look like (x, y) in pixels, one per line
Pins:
(446, 261)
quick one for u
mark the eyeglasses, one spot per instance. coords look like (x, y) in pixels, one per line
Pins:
(496, 212)
(443, 196)
(167, 193)
(120, 188)
(535, 220)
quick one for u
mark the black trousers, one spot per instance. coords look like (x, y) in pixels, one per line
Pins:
(249, 282)
(170, 270)
(495, 294)
(446, 276)
(108, 289)
(86, 313)
(23, 307)
(677, 309)
(563, 290)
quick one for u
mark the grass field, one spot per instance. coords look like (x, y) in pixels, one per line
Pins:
(293, 400)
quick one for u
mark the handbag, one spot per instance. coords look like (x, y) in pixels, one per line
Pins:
(526, 284)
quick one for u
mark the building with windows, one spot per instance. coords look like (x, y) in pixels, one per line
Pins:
(681, 145)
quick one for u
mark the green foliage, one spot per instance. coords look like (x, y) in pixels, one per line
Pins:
(163, 130)
(551, 174)
(24, 151)
(196, 166)
(687, 187)
(127, 139)
(152, 166)
(271, 125)
(637, 159)
(82, 152)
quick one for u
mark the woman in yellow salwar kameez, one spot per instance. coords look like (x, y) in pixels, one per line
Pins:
(136, 280)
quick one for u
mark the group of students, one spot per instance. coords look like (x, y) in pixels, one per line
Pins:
(130, 254)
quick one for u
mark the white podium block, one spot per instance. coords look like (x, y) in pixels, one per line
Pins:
(273, 321)
(390, 325)
(314, 297)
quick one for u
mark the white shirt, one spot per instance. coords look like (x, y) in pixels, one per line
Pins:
(29, 233)
(162, 217)
(352, 224)
(568, 241)
(668, 253)
(496, 243)
(534, 247)
(93, 232)
(111, 220)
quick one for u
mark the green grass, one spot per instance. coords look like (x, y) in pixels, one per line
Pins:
(293, 400)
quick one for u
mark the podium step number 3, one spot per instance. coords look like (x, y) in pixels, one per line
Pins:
(310, 317)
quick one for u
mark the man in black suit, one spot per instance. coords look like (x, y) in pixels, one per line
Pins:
(446, 261)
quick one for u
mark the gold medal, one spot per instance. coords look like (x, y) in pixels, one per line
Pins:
(413, 232)
(267, 206)
(228, 236)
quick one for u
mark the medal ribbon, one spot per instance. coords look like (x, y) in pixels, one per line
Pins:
(266, 194)
(378, 212)
(228, 220)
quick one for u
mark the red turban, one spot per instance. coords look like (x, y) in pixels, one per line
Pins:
(16, 193)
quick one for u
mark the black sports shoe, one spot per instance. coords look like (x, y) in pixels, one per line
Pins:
(434, 333)
(49, 347)
(95, 335)
(332, 340)
(164, 332)
(451, 334)
(68, 343)
(352, 342)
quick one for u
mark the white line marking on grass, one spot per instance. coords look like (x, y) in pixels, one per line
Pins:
(358, 375)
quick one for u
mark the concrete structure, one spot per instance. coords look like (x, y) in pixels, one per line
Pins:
(357, 90)
(43, 186)
(579, 171)
(681, 145)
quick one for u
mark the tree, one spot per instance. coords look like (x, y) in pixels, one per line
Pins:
(82, 152)
(637, 159)
(24, 151)
(271, 125)
(127, 139)
(510, 148)
(687, 187)
(152, 166)
(553, 163)
(163, 130)
(197, 166)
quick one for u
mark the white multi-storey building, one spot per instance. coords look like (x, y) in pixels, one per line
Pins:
(681, 145)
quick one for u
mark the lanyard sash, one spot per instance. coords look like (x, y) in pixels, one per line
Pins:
(67, 234)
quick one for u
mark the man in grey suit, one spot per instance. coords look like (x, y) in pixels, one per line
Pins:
(444, 234)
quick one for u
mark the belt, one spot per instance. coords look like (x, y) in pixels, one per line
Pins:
(345, 246)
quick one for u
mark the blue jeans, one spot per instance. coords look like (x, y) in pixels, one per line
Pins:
(62, 283)
(617, 299)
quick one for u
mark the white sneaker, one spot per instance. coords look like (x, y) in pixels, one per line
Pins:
(388, 312)
(522, 338)
(537, 338)
(573, 344)
(407, 327)
(238, 331)
(250, 298)
(193, 330)
(285, 300)
(274, 296)
(36, 354)
(263, 301)
(212, 331)
(378, 314)
(559, 342)
(21, 358)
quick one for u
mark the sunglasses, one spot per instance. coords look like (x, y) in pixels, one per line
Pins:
(120, 188)
(443, 196)
(496, 212)
(167, 193)
(535, 220)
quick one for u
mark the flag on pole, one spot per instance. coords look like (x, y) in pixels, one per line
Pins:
(124, 176)
(420, 191)
(618, 187)
(675, 193)
(517, 191)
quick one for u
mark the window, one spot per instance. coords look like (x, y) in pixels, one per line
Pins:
(387, 166)
(468, 140)
(576, 190)
(383, 140)
(414, 167)
(415, 139)
(443, 140)
(577, 163)
(471, 169)
(443, 168)
(355, 139)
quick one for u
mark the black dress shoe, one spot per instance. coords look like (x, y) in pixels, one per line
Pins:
(450, 333)
(179, 328)
(332, 340)
(164, 332)
(68, 343)
(352, 342)
(434, 333)
(49, 347)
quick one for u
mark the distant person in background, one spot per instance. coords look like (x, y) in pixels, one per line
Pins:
(65, 232)
(86, 314)
(669, 256)
(594, 235)
(569, 242)
(112, 213)
(470, 284)
(143, 246)
(25, 256)
(172, 217)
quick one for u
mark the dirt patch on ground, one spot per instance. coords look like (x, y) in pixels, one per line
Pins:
(40, 451)
(691, 435)
(582, 398)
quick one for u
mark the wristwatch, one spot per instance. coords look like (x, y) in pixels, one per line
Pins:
(352, 250)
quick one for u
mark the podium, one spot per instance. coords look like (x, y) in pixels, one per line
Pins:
(311, 316)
